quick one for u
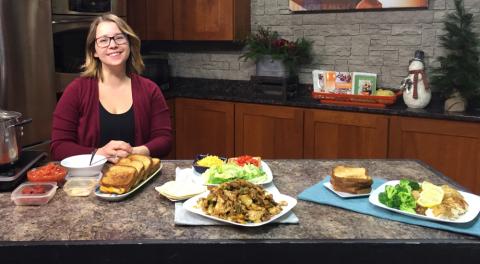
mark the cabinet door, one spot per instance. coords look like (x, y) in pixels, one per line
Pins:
(159, 20)
(336, 134)
(203, 127)
(450, 147)
(272, 132)
(203, 19)
(136, 17)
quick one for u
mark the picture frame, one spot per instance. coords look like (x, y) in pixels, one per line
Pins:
(332, 82)
(354, 5)
(364, 83)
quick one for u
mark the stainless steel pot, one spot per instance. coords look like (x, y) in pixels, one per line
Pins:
(11, 130)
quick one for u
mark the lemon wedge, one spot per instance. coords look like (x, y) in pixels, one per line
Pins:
(431, 195)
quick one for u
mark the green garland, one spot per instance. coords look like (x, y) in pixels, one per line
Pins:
(266, 42)
(459, 70)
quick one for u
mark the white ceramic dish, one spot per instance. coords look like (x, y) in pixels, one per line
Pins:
(329, 186)
(191, 206)
(472, 200)
(117, 197)
(200, 179)
(79, 165)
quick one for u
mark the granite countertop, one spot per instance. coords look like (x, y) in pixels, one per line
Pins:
(243, 91)
(147, 216)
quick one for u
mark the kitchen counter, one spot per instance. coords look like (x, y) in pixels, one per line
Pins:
(243, 91)
(141, 228)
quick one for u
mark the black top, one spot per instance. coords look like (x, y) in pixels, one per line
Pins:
(116, 126)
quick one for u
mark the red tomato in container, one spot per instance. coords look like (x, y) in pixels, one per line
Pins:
(51, 172)
(246, 159)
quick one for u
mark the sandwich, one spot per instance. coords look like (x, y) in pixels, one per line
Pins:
(147, 163)
(138, 165)
(118, 179)
(351, 180)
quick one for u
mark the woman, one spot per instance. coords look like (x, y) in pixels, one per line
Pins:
(111, 107)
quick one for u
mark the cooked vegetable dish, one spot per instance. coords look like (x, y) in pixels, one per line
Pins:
(241, 202)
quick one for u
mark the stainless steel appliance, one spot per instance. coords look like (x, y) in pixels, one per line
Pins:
(26, 85)
(26, 65)
(70, 23)
(157, 70)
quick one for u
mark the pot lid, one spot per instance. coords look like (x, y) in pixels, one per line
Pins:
(7, 115)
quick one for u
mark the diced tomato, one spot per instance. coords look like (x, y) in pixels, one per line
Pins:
(246, 159)
(51, 172)
(33, 190)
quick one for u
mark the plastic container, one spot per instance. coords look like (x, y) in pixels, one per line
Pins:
(34, 193)
(80, 186)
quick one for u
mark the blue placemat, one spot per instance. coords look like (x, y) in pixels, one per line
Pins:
(319, 194)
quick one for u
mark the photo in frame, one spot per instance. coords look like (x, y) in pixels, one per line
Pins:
(331, 5)
(332, 82)
(364, 83)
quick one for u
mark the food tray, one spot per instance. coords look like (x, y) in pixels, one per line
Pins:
(356, 99)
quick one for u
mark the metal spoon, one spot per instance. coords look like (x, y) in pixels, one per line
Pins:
(93, 155)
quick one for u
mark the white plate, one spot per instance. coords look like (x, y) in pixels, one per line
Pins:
(472, 200)
(200, 179)
(329, 186)
(118, 197)
(191, 206)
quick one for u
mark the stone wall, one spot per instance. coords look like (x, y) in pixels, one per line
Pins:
(381, 42)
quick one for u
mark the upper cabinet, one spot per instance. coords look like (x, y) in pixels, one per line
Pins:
(204, 20)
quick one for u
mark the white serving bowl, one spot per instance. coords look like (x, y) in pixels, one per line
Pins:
(78, 165)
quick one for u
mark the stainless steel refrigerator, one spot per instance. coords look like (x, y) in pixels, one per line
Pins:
(27, 65)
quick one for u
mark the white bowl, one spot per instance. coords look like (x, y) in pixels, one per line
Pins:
(78, 165)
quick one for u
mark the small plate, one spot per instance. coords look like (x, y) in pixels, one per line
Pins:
(191, 206)
(118, 197)
(472, 200)
(329, 186)
(200, 179)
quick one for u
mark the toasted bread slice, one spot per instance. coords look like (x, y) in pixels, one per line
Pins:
(351, 180)
(155, 164)
(118, 179)
(137, 165)
(146, 160)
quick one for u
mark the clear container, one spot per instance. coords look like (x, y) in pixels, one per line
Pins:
(80, 186)
(34, 193)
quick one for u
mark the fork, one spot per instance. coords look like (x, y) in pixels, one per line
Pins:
(93, 155)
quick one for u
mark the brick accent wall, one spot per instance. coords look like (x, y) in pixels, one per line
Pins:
(381, 42)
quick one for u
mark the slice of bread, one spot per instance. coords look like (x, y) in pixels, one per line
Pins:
(138, 165)
(118, 179)
(351, 180)
(155, 164)
(146, 160)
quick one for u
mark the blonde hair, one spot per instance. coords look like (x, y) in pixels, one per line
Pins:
(93, 65)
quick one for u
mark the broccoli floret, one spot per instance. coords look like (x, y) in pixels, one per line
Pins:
(407, 209)
(390, 190)
(414, 185)
(382, 197)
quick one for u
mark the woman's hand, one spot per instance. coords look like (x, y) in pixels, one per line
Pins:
(115, 149)
(141, 150)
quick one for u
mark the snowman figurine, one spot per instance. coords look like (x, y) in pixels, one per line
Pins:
(416, 92)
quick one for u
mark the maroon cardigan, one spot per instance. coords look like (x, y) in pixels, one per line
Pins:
(76, 123)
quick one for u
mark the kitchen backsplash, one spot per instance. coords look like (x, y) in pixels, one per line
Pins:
(381, 42)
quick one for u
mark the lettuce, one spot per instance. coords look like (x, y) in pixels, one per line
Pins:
(229, 172)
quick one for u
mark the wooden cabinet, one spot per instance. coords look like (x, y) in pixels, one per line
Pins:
(272, 132)
(151, 19)
(220, 20)
(337, 134)
(203, 126)
(211, 19)
(450, 147)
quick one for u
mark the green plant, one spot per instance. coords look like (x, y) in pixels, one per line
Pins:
(459, 70)
(267, 42)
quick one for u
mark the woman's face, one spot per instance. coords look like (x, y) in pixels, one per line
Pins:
(111, 45)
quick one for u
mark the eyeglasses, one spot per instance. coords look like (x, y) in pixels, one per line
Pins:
(104, 41)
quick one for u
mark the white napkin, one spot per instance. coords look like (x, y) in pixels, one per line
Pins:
(184, 217)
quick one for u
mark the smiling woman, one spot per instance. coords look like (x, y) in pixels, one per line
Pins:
(111, 107)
